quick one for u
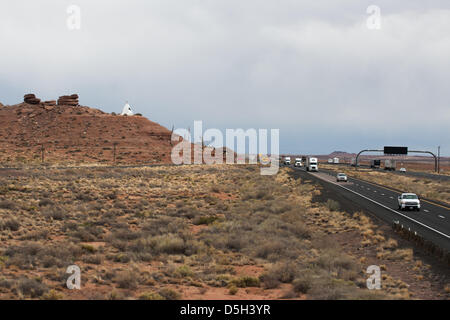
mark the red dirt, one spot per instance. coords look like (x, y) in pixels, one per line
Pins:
(79, 134)
(213, 293)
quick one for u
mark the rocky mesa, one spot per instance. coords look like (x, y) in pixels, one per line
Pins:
(63, 131)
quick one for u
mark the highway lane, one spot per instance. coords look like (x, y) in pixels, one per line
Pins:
(432, 222)
(433, 215)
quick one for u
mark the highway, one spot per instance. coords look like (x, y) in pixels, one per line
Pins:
(416, 174)
(432, 222)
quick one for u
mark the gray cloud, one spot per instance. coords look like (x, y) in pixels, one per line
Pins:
(310, 68)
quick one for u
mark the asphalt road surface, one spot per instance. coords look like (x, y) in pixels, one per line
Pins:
(417, 174)
(432, 222)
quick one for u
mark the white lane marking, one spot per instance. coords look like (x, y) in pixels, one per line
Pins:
(426, 210)
(382, 194)
(382, 205)
(391, 197)
(442, 217)
(375, 191)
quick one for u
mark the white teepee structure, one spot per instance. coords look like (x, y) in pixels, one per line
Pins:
(127, 110)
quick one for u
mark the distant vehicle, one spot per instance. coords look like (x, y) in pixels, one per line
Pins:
(336, 160)
(341, 177)
(311, 164)
(287, 161)
(408, 201)
(390, 164)
(403, 170)
(298, 162)
(376, 164)
(304, 161)
(330, 160)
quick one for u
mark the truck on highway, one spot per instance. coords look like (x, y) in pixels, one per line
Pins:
(330, 161)
(298, 162)
(287, 161)
(408, 201)
(375, 164)
(311, 164)
(336, 160)
(390, 164)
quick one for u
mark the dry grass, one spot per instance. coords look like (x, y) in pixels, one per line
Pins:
(177, 232)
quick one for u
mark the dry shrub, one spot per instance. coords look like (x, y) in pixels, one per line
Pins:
(9, 224)
(7, 204)
(169, 294)
(246, 281)
(127, 279)
(303, 283)
(284, 272)
(333, 260)
(151, 296)
(333, 205)
(33, 288)
(35, 254)
(398, 254)
(55, 213)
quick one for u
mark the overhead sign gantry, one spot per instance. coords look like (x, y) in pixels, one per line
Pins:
(389, 150)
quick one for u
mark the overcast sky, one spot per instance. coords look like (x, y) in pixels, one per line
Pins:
(312, 69)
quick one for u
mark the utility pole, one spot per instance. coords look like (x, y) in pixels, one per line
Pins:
(114, 153)
(42, 153)
(439, 160)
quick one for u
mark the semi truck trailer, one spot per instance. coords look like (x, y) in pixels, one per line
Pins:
(390, 164)
(311, 164)
(376, 164)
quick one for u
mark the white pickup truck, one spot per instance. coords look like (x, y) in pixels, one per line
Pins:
(408, 201)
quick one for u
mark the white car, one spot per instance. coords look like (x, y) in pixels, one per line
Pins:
(403, 170)
(341, 177)
(408, 201)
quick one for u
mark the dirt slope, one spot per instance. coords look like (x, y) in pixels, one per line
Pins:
(79, 134)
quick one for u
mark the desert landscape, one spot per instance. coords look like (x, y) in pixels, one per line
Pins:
(224, 159)
(195, 232)
(166, 232)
